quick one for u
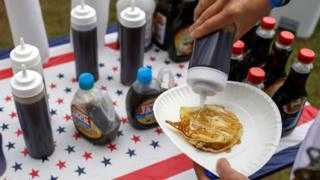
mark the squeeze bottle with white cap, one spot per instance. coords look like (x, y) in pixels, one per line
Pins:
(132, 27)
(210, 63)
(32, 109)
(148, 6)
(28, 55)
(84, 37)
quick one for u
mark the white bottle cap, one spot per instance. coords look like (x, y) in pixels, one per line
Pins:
(25, 54)
(132, 17)
(207, 81)
(83, 15)
(26, 83)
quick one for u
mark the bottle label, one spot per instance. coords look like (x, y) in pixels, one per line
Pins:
(144, 113)
(183, 42)
(291, 113)
(160, 27)
(83, 122)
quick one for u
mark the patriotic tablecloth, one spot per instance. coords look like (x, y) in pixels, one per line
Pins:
(146, 154)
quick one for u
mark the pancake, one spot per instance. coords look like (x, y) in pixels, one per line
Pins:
(212, 128)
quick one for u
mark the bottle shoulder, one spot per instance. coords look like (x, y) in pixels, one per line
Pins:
(152, 88)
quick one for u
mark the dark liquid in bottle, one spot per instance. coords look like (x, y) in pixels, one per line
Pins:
(213, 51)
(166, 11)
(108, 127)
(248, 38)
(234, 74)
(181, 44)
(276, 65)
(260, 51)
(34, 120)
(131, 53)
(86, 52)
(290, 99)
(139, 108)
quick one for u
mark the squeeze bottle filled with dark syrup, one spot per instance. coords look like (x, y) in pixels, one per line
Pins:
(33, 113)
(84, 36)
(132, 30)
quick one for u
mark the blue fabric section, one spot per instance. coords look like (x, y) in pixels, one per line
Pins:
(278, 161)
(57, 41)
(275, 3)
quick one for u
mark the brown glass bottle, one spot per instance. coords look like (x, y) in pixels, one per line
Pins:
(276, 64)
(290, 98)
(261, 42)
(236, 60)
(180, 49)
(165, 13)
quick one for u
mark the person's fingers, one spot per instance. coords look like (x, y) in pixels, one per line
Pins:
(199, 170)
(211, 11)
(226, 172)
(214, 23)
(202, 6)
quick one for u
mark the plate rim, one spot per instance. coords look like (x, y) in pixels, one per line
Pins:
(278, 121)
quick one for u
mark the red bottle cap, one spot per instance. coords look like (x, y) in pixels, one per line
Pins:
(286, 38)
(306, 55)
(238, 47)
(256, 75)
(268, 23)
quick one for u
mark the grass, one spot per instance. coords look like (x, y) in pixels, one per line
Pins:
(56, 17)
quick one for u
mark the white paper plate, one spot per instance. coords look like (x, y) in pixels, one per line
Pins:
(257, 112)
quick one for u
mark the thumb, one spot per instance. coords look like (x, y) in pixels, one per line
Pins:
(226, 172)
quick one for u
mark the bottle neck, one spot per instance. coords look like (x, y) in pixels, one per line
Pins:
(265, 33)
(237, 57)
(259, 86)
(277, 61)
(298, 75)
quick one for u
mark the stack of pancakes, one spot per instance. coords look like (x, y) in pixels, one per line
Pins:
(210, 128)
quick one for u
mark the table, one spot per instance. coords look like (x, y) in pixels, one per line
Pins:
(134, 154)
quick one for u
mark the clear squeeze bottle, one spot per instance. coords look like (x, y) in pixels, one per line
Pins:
(84, 37)
(148, 7)
(93, 113)
(291, 97)
(28, 55)
(132, 27)
(210, 62)
(141, 96)
(32, 109)
(256, 77)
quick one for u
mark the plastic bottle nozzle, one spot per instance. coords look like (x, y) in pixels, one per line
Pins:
(82, 4)
(132, 5)
(22, 43)
(24, 71)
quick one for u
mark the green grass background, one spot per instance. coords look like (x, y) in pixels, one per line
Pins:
(56, 17)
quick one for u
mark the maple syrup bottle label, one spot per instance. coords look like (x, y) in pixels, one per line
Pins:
(144, 112)
(83, 122)
(160, 27)
(183, 42)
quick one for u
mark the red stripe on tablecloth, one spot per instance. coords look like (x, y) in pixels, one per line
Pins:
(181, 163)
(6, 73)
(64, 58)
(161, 170)
(309, 113)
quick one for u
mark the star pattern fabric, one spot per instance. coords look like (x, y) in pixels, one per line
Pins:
(75, 157)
